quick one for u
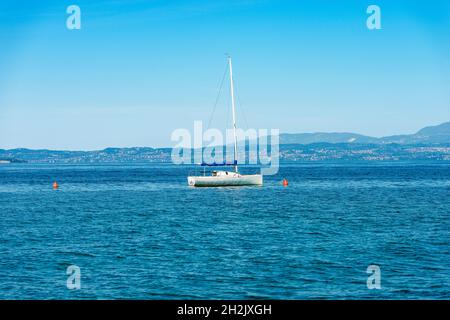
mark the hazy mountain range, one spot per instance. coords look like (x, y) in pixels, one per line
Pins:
(427, 135)
(430, 143)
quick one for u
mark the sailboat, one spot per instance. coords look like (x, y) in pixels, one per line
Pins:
(227, 178)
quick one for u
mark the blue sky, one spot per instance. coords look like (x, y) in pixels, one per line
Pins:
(137, 70)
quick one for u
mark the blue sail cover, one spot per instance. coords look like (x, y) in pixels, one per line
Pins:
(234, 163)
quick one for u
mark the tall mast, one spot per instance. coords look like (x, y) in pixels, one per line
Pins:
(234, 113)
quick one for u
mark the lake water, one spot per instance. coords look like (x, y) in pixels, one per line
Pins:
(139, 232)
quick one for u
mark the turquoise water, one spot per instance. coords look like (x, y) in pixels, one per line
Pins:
(139, 232)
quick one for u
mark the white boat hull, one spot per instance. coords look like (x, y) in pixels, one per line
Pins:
(225, 181)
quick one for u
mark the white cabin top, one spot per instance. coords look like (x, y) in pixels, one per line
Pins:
(230, 174)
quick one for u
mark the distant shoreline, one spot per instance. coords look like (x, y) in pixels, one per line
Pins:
(243, 165)
(8, 161)
(309, 153)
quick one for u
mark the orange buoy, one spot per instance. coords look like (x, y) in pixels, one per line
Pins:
(285, 182)
(55, 185)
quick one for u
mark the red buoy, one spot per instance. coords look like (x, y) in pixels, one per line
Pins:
(55, 185)
(285, 182)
